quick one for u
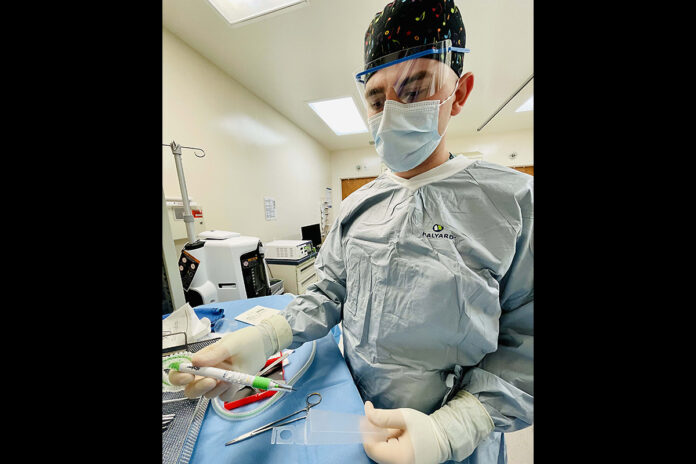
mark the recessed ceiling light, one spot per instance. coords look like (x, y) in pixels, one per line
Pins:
(236, 11)
(526, 106)
(341, 115)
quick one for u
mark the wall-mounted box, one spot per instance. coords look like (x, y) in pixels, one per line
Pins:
(175, 213)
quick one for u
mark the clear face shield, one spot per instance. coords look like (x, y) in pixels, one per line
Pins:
(408, 76)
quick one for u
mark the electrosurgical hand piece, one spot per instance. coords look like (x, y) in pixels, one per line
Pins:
(230, 376)
(263, 428)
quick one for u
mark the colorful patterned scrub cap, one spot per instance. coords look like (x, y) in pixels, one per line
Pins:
(409, 23)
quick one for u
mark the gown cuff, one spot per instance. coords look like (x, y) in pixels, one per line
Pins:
(465, 422)
(277, 334)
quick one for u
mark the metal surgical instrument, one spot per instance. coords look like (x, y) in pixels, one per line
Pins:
(166, 420)
(273, 364)
(269, 426)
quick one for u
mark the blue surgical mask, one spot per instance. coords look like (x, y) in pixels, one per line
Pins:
(405, 134)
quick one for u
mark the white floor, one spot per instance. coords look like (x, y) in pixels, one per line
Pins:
(520, 446)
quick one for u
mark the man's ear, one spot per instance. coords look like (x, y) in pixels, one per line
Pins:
(466, 83)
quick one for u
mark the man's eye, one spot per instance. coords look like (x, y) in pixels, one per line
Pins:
(376, 103)
(411, 94)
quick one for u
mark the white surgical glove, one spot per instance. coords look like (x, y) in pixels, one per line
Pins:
(413, 438)
(451, 432)
(245, 350)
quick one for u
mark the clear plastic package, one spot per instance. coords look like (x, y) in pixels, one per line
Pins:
(224, 325)
(328, 428)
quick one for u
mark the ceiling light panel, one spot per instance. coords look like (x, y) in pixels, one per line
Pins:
(526, 106)
(341, 115)
(237, 11)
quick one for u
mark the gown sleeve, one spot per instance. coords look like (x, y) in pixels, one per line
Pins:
(313, 314)
(504, 380)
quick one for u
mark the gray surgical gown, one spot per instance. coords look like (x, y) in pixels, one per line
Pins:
(426, 274)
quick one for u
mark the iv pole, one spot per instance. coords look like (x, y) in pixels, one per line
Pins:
(506, 101)
(188, 217)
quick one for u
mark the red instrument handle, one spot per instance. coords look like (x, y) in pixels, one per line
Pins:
(256, 397)
(269, 361)
(249, 399)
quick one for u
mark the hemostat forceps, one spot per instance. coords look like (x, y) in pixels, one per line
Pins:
(263, 428)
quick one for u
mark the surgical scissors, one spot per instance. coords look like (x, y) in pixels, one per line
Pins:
(263, 428)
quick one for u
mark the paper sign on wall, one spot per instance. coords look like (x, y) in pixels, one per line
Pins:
(270, 207)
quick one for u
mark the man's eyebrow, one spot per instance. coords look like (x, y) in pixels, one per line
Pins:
(374, 91)
(415, 77)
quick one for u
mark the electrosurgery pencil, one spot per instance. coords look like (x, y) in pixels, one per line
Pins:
(263, 383)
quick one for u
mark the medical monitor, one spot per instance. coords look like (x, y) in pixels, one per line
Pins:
(313, 233)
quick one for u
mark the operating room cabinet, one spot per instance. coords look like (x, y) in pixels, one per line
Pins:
(296, 277)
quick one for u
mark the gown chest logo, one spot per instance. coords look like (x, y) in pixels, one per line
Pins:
(438, 232)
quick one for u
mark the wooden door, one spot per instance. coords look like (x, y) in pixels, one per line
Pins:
(349, 186)
(526, 169)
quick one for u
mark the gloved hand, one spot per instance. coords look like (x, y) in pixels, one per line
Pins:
(451, 432)
(414, 437)
(245, 350)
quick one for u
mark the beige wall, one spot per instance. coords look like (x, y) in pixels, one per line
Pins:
(495, 148)
(252, 151)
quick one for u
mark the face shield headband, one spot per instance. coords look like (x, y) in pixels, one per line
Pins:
(407, 76)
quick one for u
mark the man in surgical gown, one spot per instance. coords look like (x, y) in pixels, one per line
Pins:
(429, 268)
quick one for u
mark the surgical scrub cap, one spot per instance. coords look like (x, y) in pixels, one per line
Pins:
(408, 23)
